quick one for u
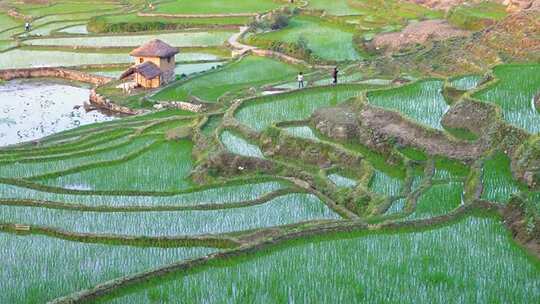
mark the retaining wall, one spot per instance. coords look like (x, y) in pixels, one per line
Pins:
(104, 103)
(54, 73)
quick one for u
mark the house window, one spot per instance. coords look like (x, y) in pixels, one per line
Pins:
(141, 60)
(168, 59)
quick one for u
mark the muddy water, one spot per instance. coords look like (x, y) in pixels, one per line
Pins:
(32, 109)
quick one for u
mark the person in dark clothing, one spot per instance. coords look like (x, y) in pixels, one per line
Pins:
(27, 26)
(335, 75)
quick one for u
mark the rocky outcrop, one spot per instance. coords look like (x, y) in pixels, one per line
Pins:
(307, 151)
(382, 130)
(523, 223)
(416, 33)
(54, 73)
(339, 123)
(473, 116)
(513, 6)
(526, 162)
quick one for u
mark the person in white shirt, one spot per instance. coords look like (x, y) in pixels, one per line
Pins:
(300, 80)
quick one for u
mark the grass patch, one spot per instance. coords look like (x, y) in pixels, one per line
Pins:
(249, 72)
(475, 17)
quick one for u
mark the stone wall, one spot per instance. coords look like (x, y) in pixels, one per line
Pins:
(54, 73)
(104, 103)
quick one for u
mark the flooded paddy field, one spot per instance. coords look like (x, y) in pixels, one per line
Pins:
(36, 108)
(247, 173)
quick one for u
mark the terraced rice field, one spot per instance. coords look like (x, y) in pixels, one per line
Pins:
(467, 82)
(216, 7)
(176, 206)
(421, 101)
(217, 195)
(342, 181)
(262, 112)
(338, 7)
(327, 41)
(302, 131)
(248, 72)
(438, 200)
(514, 93)
(237, 145)
(180, 39)
(497, 178)
(172, 165)
(415, 259)
(68, 266)
(24, 58)
(384, 184)
(279, 211)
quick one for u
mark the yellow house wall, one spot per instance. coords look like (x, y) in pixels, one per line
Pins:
(147, 83)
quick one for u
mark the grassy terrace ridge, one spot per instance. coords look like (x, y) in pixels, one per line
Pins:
(255, 199)
(210, 7)
(136, 23)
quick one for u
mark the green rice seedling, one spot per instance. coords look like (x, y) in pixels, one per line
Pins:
(342, 181)
(421, 101)
(222, 194)
(28, 261)
(179, 39)
(329, 41)
(382, 183)
(447, 168)
(472, 261)
(262, 112)
(168, 125)
(165, 167)
(238, 145)
(438, 200)
(497, 180)
(288, 209)
(216, 7)
(57, 145)
(302, 131)
(249, 72)
(396, 207)
(27, 169)
(514, 93)
(466, 83)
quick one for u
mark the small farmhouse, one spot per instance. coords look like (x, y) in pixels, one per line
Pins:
(154, 64)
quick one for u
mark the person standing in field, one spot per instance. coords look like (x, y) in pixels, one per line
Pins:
(335, 75)
(300, 80)
(27, 26)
